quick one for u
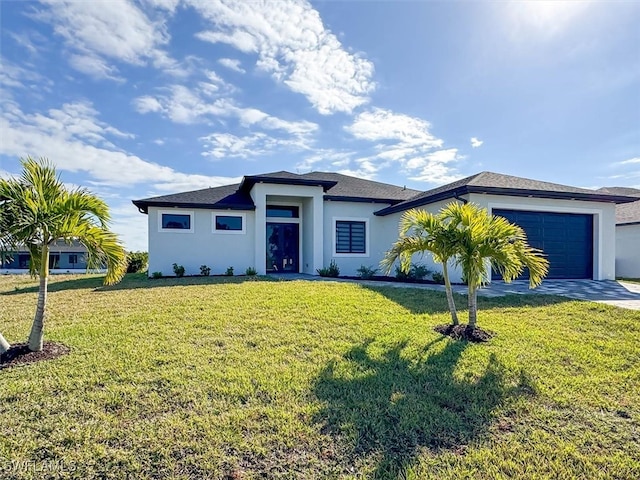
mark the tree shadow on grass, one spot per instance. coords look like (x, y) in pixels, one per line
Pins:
(386, 407)
(131, 282)
(432, 301)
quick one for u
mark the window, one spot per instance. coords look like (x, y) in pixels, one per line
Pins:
(231, 224)
(180, 222)
(175, 221)
(351, 236)
(283, 211)
(224, 222)
(73, 258)
(24, 260)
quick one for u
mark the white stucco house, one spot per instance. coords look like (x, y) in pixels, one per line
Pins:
(627, 233)
(286, 222)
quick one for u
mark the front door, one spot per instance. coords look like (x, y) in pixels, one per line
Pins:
(283, 247)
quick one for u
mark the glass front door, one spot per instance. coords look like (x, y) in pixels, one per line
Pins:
(283, 247)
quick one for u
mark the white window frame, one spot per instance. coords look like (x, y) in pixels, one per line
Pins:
(367, 250)
(228, 214)
(177, 212)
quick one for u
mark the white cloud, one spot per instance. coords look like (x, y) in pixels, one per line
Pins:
(302, 53)
(232, 64)
(226, 145)
(404, 140)
(631, 161)
(542, 19)
(475, 142)
(76, 140)
(99, 31)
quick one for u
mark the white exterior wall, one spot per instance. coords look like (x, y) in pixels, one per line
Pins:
(203, 246)
(604, 217)
(628, 251)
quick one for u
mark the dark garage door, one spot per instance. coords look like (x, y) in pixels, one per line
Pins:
(565, 238)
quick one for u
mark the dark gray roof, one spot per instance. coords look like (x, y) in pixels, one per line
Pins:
(351, 188)
(626, 213)
(236, 197)
(499, 184)
(223, 198)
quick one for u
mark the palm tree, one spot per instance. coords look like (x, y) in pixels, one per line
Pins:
(485, 241)
(43, 210)
(420, 232)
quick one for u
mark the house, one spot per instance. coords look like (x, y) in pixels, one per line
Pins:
(63, 257)
(627, 233)
(286, 222)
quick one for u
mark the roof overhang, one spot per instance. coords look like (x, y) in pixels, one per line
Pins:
(249, 181)
(514, 192)
(143, 206)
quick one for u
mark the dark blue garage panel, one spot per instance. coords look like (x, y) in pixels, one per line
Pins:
(565, 238)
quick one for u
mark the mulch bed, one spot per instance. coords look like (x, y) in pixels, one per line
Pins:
(464, 332)
(19, 354)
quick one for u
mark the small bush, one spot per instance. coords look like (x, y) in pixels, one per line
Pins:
(205, 271)
(366, 273)
(229, 272)
(251, 272)
(178, 270)
(137, 262)
(331, 271)
(156, 275)
(416, 272)
(438, 277)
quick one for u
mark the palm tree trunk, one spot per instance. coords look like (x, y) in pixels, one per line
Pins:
(4, 345)
(449, 292)
(473, 305)
(37, 329)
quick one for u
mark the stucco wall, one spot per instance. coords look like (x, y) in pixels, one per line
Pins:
(628, 251)
(202, 246)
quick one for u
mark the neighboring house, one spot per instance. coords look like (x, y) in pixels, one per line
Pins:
(62, 257)
(627, 233)
(285, 222)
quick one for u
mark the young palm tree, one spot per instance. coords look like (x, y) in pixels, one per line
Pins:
(485, 241)
(43, 210)
(420, 232)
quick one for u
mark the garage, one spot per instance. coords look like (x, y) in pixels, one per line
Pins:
(565, 238)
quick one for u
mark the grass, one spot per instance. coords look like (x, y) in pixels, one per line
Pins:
(632, 280)
(238, 379)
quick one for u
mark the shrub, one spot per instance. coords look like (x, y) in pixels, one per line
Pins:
(438, 277)
(365, 272)
(251, 272)
(229, 272)
(137, 262)
(178, 270)
(416, 272)
(156, 275)
(331, 271)
(205, 271)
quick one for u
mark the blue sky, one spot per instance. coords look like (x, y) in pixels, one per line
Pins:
(134, 99)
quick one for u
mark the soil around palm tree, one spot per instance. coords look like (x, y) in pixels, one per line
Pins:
(19, 354)
(464, 332)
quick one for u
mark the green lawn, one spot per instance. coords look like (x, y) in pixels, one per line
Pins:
(236, 379)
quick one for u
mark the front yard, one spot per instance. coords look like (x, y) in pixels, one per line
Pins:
(239, 379)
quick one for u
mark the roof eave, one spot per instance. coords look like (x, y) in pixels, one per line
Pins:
(346, 198)
(408, 204)
(248, 182)
(519, 192)
(144, 206)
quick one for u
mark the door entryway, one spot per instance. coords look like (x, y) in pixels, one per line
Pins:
(283, 247)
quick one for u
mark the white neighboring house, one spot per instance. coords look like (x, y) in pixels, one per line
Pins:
(627, 233)
(286, 222)
(63, 258)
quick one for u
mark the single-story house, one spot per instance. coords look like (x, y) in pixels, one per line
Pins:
(627, 233)
(286, 222)
(63, 257)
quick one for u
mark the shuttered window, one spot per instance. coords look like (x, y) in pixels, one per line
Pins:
(350, 237)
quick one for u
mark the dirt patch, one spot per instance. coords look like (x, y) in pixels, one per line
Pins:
(20, 354)
(464, 332)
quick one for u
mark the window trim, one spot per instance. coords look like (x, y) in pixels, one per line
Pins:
(364, 220)
(228, 214)
(176, 212)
